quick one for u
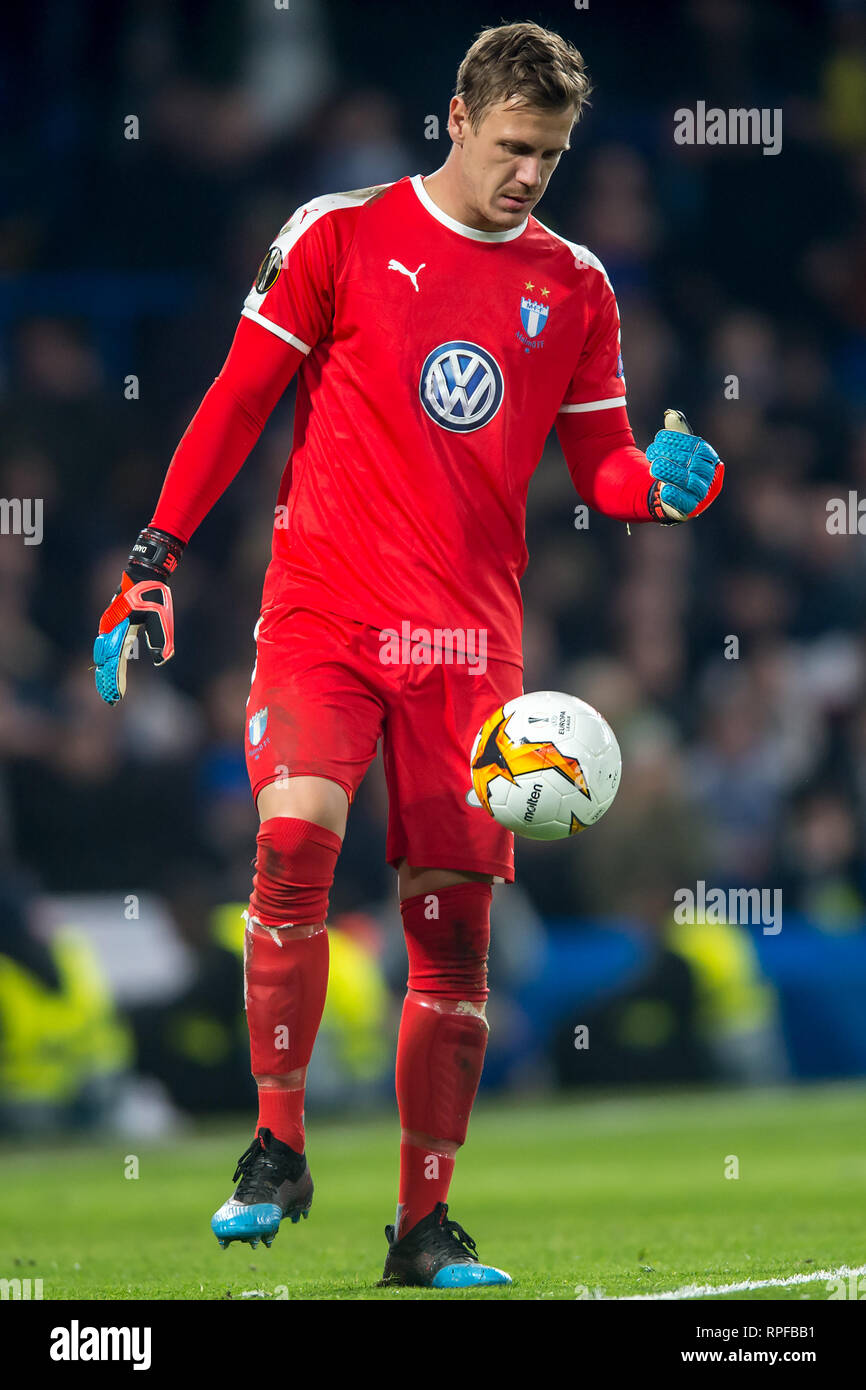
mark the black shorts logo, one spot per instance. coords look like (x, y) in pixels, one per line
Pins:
(269, 270)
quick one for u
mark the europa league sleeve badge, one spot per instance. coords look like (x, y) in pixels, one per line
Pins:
(269, 270)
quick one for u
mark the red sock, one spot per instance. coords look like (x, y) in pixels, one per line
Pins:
(425, 1177)
(286, 966)
(442, 1039)
(286, 983)
(282, 1112)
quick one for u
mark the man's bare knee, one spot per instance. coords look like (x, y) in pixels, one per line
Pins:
(414, 880)
(315, 799)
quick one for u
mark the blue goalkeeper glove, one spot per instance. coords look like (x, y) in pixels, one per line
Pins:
(143, 600)
(688, 472)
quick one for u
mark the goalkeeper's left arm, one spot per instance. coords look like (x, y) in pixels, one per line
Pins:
(676, 479)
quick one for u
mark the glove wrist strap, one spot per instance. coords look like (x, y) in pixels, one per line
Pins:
(156, 554)
(656, 510)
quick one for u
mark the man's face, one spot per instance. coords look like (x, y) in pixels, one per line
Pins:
(507, 161)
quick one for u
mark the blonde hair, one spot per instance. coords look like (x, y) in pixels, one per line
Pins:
(522, 60)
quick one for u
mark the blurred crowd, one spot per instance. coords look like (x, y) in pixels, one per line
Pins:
(728, 655)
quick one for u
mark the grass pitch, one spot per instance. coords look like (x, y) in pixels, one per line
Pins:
(593, 1198)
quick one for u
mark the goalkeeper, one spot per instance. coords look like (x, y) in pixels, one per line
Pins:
(437, 330)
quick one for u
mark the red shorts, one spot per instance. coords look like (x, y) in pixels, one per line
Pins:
(325, 689)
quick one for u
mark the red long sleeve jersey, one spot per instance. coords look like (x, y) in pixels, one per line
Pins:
(432, 361)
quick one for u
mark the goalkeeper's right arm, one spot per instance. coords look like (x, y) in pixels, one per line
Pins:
(215, 446)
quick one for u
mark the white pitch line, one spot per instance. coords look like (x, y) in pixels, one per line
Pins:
(702, 1290)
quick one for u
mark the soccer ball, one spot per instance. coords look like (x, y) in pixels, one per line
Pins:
(545, 765)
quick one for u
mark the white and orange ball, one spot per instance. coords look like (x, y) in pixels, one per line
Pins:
(545, 765)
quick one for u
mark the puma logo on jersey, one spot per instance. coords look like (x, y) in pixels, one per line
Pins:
(412, 274)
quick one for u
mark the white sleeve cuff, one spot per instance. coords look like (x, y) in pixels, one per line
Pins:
(592, 405)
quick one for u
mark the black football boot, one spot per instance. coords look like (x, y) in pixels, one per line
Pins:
(274, 1182)
(437, 1254)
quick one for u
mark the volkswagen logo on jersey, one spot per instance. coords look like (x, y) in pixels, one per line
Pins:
(461, 386)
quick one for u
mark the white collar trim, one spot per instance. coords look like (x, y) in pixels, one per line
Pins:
(472, 233)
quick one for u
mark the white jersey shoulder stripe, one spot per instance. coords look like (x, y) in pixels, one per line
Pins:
(304, 217)
(582, 254)
(300, 222)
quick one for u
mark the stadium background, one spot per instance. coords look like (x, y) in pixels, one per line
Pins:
(126, 835)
